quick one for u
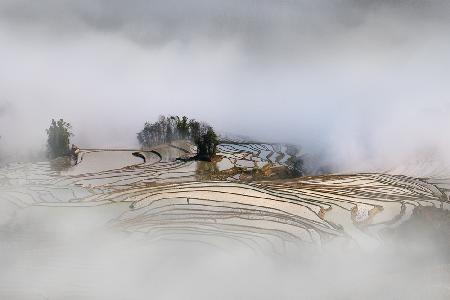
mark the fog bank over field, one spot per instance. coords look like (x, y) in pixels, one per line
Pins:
(67, 253)
(362, 83)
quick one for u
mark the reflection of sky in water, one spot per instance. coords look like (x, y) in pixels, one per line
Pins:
(72, 229)
(98, 161)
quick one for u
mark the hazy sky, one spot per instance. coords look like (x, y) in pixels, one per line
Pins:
(366, 83)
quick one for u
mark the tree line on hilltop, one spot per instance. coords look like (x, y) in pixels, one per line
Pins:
(164, 130)
(171, 128)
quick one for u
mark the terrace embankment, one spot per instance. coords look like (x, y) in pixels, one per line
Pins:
(169, 198)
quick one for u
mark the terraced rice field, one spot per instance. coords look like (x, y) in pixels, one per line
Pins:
(166, 199)
(252, 155)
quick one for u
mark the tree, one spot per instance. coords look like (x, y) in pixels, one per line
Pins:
(206, 141)
(194, 127)
(182, 126)
(205, 138)
(58, 139)
(169, 133)
(167, 129)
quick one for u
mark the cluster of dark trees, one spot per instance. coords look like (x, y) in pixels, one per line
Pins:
(165, 130)
(58, 138)
(171, 128)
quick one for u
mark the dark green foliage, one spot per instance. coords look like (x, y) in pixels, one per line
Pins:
(206, 142)
(58, 140)
(167, 129)
(194, 127)
(182, 126)
(160, 132)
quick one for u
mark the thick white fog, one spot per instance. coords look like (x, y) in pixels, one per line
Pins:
(363, 83)
(359, 85)
(66, 253)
